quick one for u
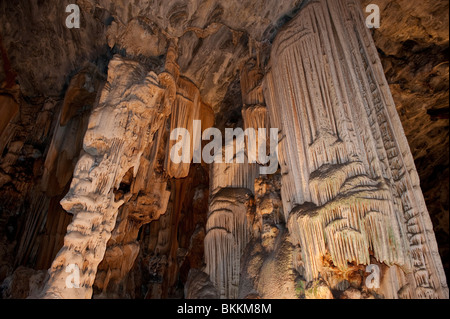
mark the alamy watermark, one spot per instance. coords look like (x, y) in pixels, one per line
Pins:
(73, 279)
(373, 20)
(373, 280)
(73, 19)
(235, 150)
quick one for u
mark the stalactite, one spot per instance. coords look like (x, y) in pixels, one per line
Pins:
(68, 134)
(223, 175)
(251, 79)
(52, 239)
(188, 107)
(185, 110)
(254, 111)
(348, 181)
(34, 225)
(255, 117)
(356, 222)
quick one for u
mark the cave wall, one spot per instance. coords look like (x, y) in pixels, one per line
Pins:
(52, 78)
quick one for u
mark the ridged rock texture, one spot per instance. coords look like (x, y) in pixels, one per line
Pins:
(131, 108)
(86, 176)
(356, 188)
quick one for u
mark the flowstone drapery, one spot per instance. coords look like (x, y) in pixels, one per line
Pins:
(228, 232)
(349, 186)
(231, 211)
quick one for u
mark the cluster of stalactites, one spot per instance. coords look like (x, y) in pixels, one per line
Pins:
(188, 107)
(359, 221)
(327, 182)
(251, 79)
(228, 232)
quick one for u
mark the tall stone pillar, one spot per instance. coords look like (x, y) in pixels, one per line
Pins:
(254, 111)
(350, 189)
(232, 186)
(230, 222)
(133, 105)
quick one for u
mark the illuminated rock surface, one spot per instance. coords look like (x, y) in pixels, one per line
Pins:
(86, 177)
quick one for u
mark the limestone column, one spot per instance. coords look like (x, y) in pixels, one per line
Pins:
(228, 228)
(254, 111)
(232, 186)
(133, 104)
(350, 189)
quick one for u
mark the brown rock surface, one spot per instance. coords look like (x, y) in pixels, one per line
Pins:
(51, 78)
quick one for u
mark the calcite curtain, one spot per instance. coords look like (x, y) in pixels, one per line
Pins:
(349, 184)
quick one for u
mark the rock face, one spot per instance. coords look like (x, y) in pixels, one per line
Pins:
(92, 119)
(415, 59)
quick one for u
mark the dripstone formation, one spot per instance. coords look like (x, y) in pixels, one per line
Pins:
(91, 190)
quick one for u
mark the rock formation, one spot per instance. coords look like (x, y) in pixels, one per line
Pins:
(355, 190)
(132, 107)
(119, 177)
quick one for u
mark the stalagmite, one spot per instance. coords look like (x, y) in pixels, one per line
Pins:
(132, 106)
(231, 220)
(349, 183)
(227, 235)
(187, 109)
(228, 228)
